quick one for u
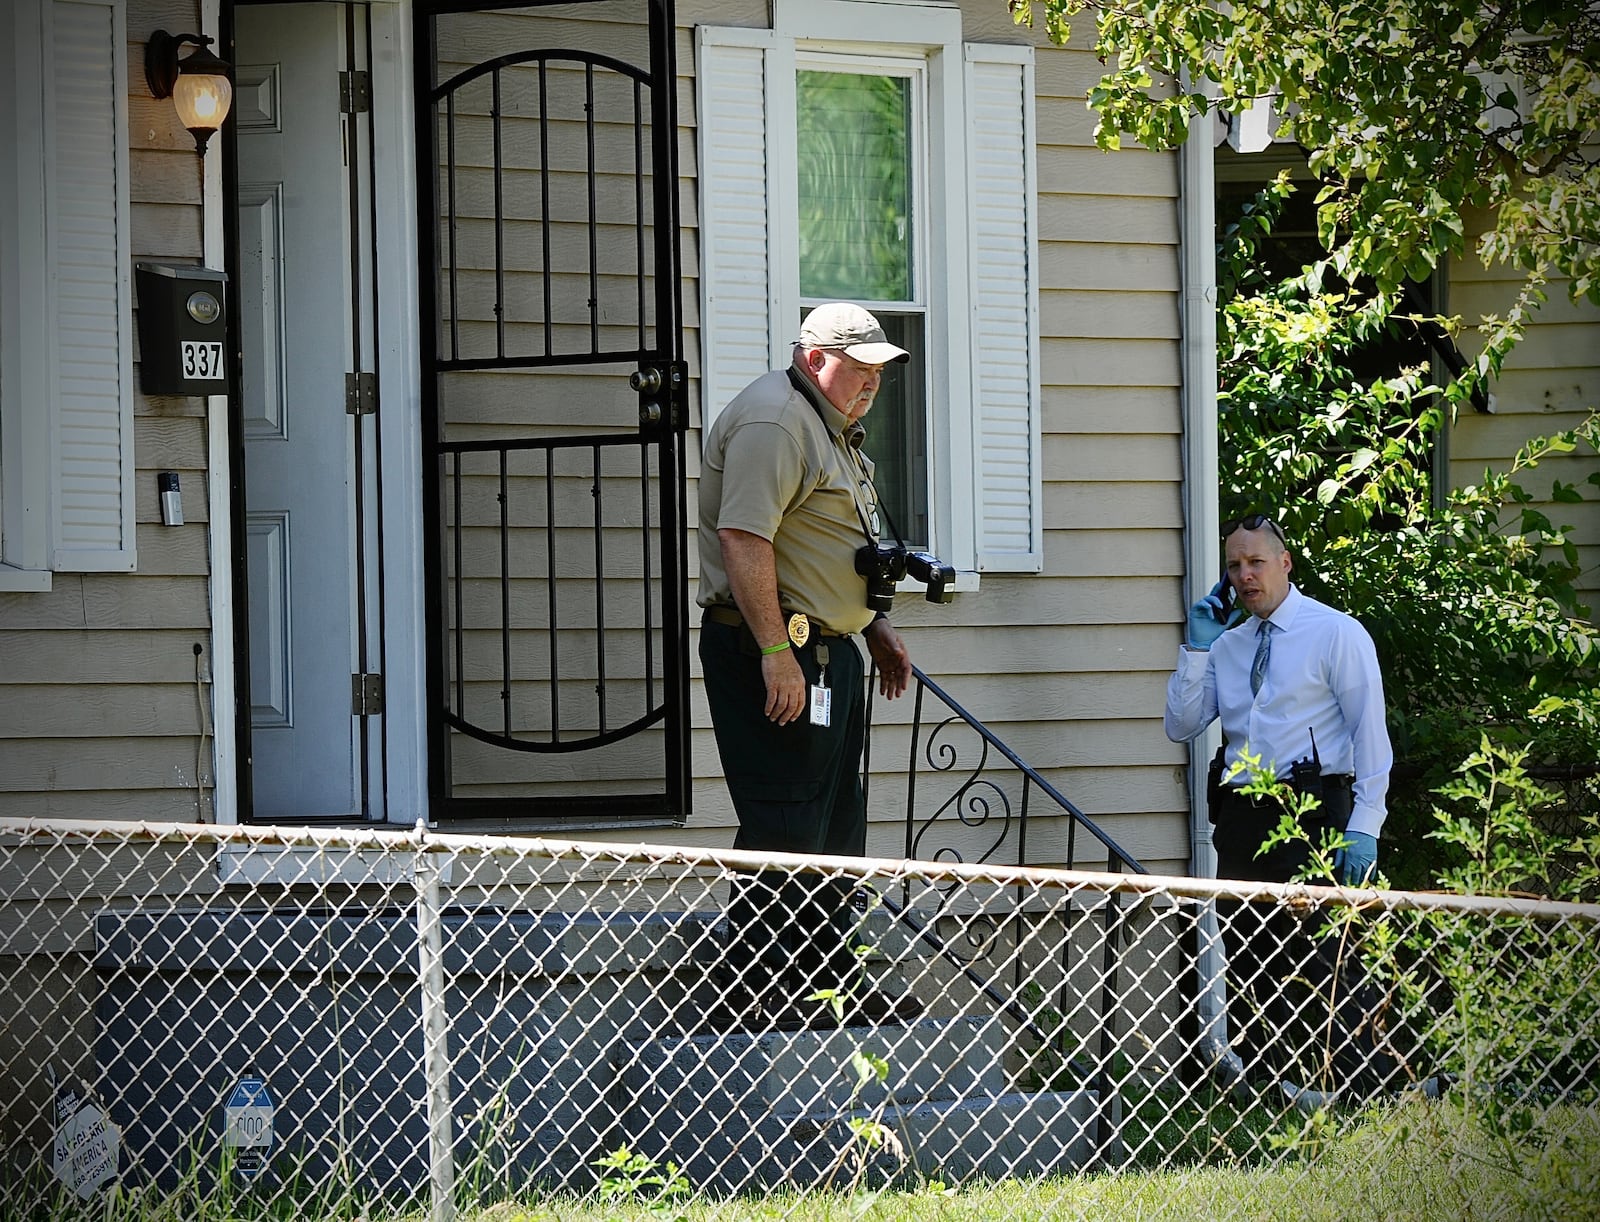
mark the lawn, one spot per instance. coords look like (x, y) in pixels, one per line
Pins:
(1420, 1160)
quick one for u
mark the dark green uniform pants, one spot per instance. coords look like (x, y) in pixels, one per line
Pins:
(796, 789)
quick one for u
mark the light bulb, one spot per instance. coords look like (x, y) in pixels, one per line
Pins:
(202, 100)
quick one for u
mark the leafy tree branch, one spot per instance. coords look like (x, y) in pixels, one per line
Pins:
(1412, 112)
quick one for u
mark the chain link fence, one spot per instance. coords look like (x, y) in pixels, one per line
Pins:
(214, 1022)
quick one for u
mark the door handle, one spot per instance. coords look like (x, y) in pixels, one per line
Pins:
(645, 381)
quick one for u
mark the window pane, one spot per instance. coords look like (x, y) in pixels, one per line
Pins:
(897, 434)
(854, 185)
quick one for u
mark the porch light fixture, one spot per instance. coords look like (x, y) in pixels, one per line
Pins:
(198, 85)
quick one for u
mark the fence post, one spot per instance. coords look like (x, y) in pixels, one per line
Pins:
(1108, 1081)
(435, 1032)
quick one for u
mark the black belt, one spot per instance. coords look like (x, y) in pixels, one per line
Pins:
(1334, 791)
(721, 613)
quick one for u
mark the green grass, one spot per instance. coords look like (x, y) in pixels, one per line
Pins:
(1417, 1160)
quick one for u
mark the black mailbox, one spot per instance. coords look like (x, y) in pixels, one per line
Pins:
(183, 346)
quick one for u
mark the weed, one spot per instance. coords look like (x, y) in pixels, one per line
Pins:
(638, 1179)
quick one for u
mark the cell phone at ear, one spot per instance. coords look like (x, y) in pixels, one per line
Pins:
(1226, 594)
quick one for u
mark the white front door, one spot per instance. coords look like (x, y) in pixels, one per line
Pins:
(311, 513)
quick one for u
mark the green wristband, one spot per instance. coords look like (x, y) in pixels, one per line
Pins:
(772, 649)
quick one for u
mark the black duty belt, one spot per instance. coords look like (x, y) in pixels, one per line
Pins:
(798, 624)
(1334, 792)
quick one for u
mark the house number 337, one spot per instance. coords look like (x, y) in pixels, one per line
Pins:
(202, 359)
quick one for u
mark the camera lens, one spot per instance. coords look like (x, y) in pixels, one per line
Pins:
(883, 565)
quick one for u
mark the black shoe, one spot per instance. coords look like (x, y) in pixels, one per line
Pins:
(742, 1010)
(782, 1013)
(721, 1016)
(877, 1006)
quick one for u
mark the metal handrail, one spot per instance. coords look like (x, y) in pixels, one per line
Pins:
(1118, 860)
(1117, 857)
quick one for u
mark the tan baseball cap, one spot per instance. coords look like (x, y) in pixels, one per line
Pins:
(847, 327)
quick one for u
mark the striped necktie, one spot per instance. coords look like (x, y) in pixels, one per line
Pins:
(1258, 668)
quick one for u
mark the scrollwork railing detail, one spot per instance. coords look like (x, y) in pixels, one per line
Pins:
(976, 801)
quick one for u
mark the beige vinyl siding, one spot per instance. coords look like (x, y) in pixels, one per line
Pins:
(1549, 383)
(100, 711)
(1101, 621)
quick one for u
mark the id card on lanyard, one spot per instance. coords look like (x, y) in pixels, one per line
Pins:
(821, 697)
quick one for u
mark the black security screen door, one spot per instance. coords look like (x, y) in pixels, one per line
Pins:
(554, 407)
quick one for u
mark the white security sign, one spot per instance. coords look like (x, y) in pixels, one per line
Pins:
(247, 1125)
(86, 1144)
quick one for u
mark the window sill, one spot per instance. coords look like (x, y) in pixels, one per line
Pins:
(24, 581)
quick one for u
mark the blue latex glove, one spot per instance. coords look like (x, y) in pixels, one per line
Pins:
(1207, 620)
(1357, 863)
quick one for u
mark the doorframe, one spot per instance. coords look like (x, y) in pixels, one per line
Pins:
(404, 771)
(220, 243)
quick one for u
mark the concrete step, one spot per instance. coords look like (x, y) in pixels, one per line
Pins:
(540, 1008)
(727, 1073)
(739, 1109)
(1017, 1135)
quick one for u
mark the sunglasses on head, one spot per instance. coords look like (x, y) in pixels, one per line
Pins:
(1253, 521)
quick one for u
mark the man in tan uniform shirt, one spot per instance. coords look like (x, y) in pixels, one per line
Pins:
(786, 501)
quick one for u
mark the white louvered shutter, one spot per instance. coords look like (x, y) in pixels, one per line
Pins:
(736, 289)
(90, 310)
(1005, 307)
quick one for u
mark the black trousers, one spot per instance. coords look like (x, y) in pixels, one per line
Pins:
(1299, 1004)
(796, 789)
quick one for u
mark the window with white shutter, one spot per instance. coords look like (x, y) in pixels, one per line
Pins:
(66, 387)
(739, 306)
(942, 227)
(1005, 307)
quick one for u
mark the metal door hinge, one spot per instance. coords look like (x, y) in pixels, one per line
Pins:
(360, 394)
(366, 695)
(355, 92)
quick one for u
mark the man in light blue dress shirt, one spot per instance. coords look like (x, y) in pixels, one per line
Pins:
(1296, 684)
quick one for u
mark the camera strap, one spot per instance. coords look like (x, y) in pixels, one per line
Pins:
(849, 442)
(852, 452)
